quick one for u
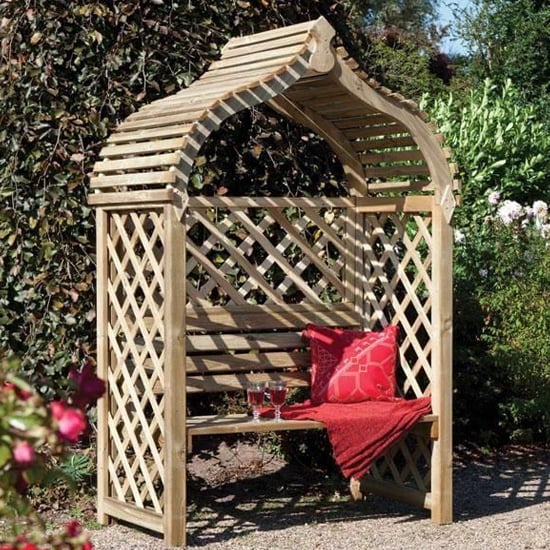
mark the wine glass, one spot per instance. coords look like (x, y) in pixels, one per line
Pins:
(277, 395)
(255, 392)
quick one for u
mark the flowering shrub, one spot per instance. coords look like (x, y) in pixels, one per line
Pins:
(503, 300)
(34, 435)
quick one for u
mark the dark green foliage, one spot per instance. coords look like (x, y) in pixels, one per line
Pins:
(510, 39)
(69, 72)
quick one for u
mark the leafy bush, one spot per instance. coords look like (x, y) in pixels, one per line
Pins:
(503, 284)
(499, 145)
(502, 150)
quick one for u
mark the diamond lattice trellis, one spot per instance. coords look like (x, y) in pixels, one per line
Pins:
(406, 464)
(398, 286)
(268, 255)
(135, 335)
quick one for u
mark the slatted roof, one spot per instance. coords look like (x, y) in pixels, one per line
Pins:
(385, 143)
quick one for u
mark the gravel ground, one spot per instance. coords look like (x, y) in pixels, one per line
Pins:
(501, 501)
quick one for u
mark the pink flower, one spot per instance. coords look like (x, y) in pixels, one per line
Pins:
(72, 422)
(89, 388)
(24, 454)
(87, 546)
(73, 528)
(22, 394)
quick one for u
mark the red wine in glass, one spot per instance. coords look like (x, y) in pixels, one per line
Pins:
(255, 393)
(277, 396)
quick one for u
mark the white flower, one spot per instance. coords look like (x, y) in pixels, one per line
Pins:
(509, 211)
(545, 231)
(540, 211)
(459, 236)
(484, 273)
(494, 198)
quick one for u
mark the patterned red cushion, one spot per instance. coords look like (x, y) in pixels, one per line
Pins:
(348, 366)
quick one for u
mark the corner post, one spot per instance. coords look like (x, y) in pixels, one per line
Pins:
(102, 323)
(174, 519)
(442, 406)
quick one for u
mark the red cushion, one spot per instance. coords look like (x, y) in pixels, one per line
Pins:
(348, 366)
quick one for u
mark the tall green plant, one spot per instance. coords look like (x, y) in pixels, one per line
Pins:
(499, 143)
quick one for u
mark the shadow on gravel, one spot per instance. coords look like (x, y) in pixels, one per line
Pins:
(512, 478)
(517, 477)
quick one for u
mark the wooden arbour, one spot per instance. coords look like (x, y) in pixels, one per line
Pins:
(383, 253)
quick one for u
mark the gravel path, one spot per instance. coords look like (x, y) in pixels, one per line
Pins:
(502, 501)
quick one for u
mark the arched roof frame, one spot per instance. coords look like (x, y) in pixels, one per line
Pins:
(379, 136)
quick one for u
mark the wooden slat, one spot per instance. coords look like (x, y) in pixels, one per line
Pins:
(247, 362)
(185, 117)
(270, 316)
(239, 382)
(319, 102)
(398, 186)
(239, 423)
(418, 203)
(241, 78)
(146, 135)
(263, 47)
(385, 143)
(243, 342)
(143, 178)
(132, 514)
(204, 201)
(391, 490)
(372, 131)
(137, 163)
(209, 425)
(266, 36)
(393, 156)
(143, 147)
(360, 122)
(256, 59)
(131, 197)
(397, 170)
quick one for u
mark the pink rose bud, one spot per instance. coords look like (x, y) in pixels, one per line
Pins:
(71, 422)
(24, 454)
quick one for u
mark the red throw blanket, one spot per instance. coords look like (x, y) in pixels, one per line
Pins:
(360, 432)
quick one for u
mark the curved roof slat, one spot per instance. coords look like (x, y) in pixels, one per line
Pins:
(379, 136)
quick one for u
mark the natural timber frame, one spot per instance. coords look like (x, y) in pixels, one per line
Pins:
(382, 253)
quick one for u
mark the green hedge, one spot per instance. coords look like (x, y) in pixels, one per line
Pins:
(69, 72)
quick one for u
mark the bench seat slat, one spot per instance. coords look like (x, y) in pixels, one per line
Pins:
(239, 423)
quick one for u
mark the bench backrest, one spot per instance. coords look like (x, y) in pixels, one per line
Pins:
(227, 347)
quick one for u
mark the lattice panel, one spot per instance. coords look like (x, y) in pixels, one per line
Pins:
(135, 335)
(397, 286)
(407, 464)
(269, 255)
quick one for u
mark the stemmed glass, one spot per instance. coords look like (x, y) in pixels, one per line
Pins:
(277, 396)
(255, 392)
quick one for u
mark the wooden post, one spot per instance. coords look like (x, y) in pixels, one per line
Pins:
(174, 380)
(102, 321)
(442, 318)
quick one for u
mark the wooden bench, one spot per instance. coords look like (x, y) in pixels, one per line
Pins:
(228, 347)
